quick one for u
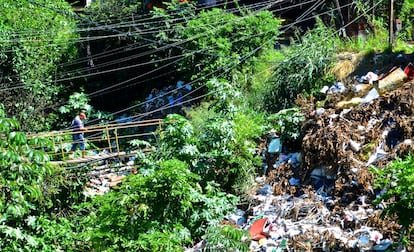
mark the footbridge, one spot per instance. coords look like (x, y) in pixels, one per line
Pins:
(102, 142)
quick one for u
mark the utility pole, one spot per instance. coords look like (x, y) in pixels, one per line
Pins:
(391, 38)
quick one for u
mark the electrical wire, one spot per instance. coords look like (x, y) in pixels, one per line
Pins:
(9, 88)
(252, 52)
(158, 49)
(355, 19)
(72, 77)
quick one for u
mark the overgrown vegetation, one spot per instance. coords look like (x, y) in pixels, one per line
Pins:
(163, 210)
(34, 195)
(215, 42)
(304, 68)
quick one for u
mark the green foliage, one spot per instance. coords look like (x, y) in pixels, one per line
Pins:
(382, 9)
(77, 102)
(177, 140)
(397, 182)
(216, 40)
(35, 37)
(224, 96)
(109, 11)
(226, 134)
(288, 123)
(29, 192)
(303, 69)
(226, 238)
(377, 40)
(160, 211)
(253, 78)
(406, 16)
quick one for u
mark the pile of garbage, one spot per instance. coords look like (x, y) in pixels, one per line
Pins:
(319, 197)
(105, 176)
(306, 223)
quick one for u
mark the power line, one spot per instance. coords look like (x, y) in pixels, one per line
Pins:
(166, 46)
(255, 50)
(93, 73)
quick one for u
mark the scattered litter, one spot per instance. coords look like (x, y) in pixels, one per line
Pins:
(265, 190)
(256, 230)
(275, 146)
(370, 77)
(393, 80)
(378, 155)
(372, 95)
(337, 87)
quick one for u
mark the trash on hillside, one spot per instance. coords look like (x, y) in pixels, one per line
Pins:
(294, 181)
(238, 217)
(347, 104)
(265, 190)
(337, 87)
(384, 245)
(393, 80)
(257, 229)
(377, 155)
(275, 146)
(409, 71)
(370, 78)
(322, 192)
(306, 223)
(320, 177)
(369, 97)
(354, 145)
(319, 111)
(372, 95)
(362, 88)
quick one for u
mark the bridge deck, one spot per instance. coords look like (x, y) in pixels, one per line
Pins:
(95, 158)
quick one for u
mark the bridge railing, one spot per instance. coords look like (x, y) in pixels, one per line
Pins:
(98, 137)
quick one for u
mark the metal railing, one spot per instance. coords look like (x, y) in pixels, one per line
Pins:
(98, 137)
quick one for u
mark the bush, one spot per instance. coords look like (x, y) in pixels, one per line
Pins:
(396, 181)
(161, 211)
(30, 194)
(217, 40)
(303, 69)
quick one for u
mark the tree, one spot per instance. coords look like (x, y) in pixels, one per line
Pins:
(303, 70)
(34, 37)
(215, 42)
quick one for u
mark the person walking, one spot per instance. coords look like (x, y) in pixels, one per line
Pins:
(77, 133)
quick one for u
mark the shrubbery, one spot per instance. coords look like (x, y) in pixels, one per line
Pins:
(396, 181)
(161, 211)
(303, 70)
(32, 194)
